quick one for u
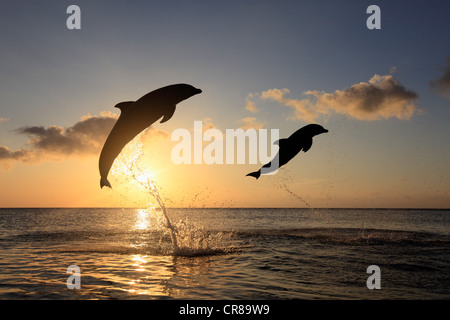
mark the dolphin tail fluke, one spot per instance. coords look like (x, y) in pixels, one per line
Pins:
(255, 174)
(104, 182)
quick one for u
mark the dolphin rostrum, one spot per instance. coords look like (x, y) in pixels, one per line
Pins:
(136, 116)
(290, 147)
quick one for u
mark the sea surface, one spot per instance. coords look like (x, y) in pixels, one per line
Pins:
(224, 253)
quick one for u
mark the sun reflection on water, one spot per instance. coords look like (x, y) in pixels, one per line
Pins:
(143, 220)
(149, 275)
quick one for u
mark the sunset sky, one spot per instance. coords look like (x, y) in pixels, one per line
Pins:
(384, 96)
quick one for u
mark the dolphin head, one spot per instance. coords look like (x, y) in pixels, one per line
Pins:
(182, 91)
(315, 129)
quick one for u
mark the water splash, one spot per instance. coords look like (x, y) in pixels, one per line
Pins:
(284, 187)
(128, 164)
(187, 239)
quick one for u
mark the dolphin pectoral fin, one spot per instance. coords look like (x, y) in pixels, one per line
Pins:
(168, 114)
(124, 106)
(307, 145)
(104, 182)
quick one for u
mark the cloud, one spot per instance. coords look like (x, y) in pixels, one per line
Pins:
(84, 138)
(3, 119)
(275, 94)
(251, 123)
(153, 133)
(250, 105)
(303, 109)
(103, 114)
(442, 84)
(7, 154)
(207, 123)
(209, 129)
(382, 97)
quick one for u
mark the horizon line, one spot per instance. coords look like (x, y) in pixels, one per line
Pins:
(318, 208)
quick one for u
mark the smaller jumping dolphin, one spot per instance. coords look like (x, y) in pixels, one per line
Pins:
(290, 147)
(136, 116)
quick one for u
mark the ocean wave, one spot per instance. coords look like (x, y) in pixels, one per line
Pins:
(356, 236)
(217, 242)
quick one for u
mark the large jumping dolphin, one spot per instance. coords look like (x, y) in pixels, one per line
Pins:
(136, 116)
(290, 147)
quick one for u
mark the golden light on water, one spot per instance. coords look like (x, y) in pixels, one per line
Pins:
(139, 262)
(142, 220)
(139, 259)
(146, 281)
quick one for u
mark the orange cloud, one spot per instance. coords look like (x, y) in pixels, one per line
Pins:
(303, 109)
(207, 123)
(250, 105)
(382, 97)
(251, 123)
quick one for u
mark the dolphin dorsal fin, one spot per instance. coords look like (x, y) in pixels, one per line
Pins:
(124, 106)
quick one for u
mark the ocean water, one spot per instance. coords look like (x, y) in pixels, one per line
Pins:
(224, 253)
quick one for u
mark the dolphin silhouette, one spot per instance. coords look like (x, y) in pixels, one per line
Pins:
(135, 116)
(290, 147)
